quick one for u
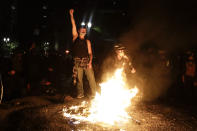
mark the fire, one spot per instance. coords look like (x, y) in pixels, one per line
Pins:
(109, 106)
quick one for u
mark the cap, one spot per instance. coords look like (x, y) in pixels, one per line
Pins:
(119, 47)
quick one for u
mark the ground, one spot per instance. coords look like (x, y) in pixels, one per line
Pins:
(45, 113)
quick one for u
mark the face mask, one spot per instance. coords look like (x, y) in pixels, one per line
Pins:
(82, 33)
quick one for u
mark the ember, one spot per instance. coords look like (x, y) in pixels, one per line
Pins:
(109, 107)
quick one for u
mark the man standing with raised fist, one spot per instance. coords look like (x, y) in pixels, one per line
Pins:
(82, 52)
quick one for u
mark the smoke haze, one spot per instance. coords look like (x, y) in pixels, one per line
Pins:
(156, 25)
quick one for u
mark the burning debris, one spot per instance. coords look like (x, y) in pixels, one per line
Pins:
(109, 107)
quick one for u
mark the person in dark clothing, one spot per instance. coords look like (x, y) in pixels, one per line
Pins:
(13, 76)
(82, 53)
(33, 70)
(117, 59)
(122, 60)
(189, 78)
(17, 72)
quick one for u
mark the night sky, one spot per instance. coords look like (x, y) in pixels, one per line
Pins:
(164, 22)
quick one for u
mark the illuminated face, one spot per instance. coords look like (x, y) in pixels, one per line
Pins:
(82, 32)
(120, 53)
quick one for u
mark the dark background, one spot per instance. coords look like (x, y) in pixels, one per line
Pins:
(172, 22)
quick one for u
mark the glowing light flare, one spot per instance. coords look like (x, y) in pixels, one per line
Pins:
(109, 106)
(6, 39)
(67, 51)
(89, 24)
(83, 23)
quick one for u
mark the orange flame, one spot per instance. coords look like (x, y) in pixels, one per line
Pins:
(109, 106)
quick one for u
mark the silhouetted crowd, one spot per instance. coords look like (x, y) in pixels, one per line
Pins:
(33, 72)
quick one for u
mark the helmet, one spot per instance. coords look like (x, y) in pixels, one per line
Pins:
(119, 47)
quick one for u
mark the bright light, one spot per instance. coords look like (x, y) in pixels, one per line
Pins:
(67, 51)
(6, 39)
(89, 25)
(46, 43)
(110, 105)
(83, 23)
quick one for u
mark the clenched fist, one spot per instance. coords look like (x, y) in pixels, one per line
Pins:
(71, 11)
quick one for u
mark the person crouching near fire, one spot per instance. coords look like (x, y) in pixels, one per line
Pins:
(82, 53)
(122, 60)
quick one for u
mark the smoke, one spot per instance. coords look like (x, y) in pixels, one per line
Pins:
(169, 25)
(157, 29)
(152, 35)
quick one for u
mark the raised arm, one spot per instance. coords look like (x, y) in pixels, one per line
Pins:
(74, 28)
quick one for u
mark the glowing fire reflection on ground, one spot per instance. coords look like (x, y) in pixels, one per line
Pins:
(109, 107)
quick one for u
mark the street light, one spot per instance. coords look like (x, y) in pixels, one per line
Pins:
(6, 39)
(89, 24)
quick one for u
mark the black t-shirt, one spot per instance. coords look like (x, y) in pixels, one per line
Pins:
(80, 48)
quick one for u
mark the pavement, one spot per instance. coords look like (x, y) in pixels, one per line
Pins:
(44, 113)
